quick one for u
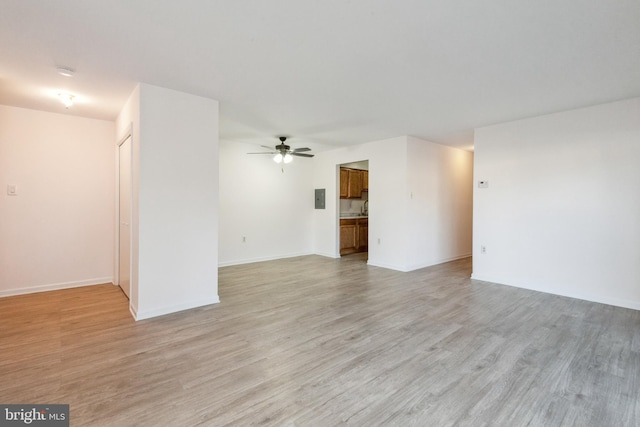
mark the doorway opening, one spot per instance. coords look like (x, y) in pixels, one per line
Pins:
(354, 209)
(124, 216)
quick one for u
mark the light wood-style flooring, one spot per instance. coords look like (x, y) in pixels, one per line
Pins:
(313, 341)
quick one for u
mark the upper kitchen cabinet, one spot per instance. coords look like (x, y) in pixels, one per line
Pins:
(344, 183)
(353, 182)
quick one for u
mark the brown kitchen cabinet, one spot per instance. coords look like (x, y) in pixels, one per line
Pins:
(352, 183)
(348, 236)
(355, 184)
(344, 183)
(354, 235)
(365, 180)
(363, 235)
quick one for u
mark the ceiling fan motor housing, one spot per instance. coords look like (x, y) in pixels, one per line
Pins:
(282, 147)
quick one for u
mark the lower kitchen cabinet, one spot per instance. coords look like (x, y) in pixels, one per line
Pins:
(354, 235)
(348, 236)
(363, 235)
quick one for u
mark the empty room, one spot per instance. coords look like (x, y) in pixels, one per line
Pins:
(320, 213)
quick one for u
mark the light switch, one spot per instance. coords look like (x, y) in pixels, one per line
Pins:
(12, 190)
(483, 184)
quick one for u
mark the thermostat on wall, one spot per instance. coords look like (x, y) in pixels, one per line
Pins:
(483, 184)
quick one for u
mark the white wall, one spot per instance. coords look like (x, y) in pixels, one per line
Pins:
(562, 210)
(440, 203)
(419, 202)
(175, 210)
(387, 190)
(275, 212)
(271, 209)
(58, 231)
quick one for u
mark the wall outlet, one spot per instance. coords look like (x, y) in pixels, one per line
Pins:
(483, 250)
(12, 190)
(244, 239)
(483, 184)
(378, 240)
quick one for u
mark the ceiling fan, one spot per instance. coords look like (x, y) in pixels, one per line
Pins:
(284, 153)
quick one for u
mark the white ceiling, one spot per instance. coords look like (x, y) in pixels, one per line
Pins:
(327, 72)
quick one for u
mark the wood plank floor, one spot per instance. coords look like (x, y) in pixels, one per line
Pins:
(314, 341)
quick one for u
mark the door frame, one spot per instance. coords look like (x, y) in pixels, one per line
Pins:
(116, 281)
(337, 210)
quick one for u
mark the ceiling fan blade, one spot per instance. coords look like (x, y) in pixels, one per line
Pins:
(267, 147)
(264, 152)
(298, 150)
(301, 154)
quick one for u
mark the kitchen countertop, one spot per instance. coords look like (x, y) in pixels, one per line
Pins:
(353, 216)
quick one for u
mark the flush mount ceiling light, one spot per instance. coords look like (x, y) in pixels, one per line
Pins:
(63, 70)
(66, 99)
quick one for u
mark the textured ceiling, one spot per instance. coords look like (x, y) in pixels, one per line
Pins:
(331, 72)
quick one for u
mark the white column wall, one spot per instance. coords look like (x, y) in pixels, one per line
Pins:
(175, 200)
(178, 201)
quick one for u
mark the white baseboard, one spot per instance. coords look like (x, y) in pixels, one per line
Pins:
(55, 286)
(387, 266)
(634, 305)
(441, 261)
(261, 259)
(133, 311)
(147, 314)
(328, 255)
(406, 269)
